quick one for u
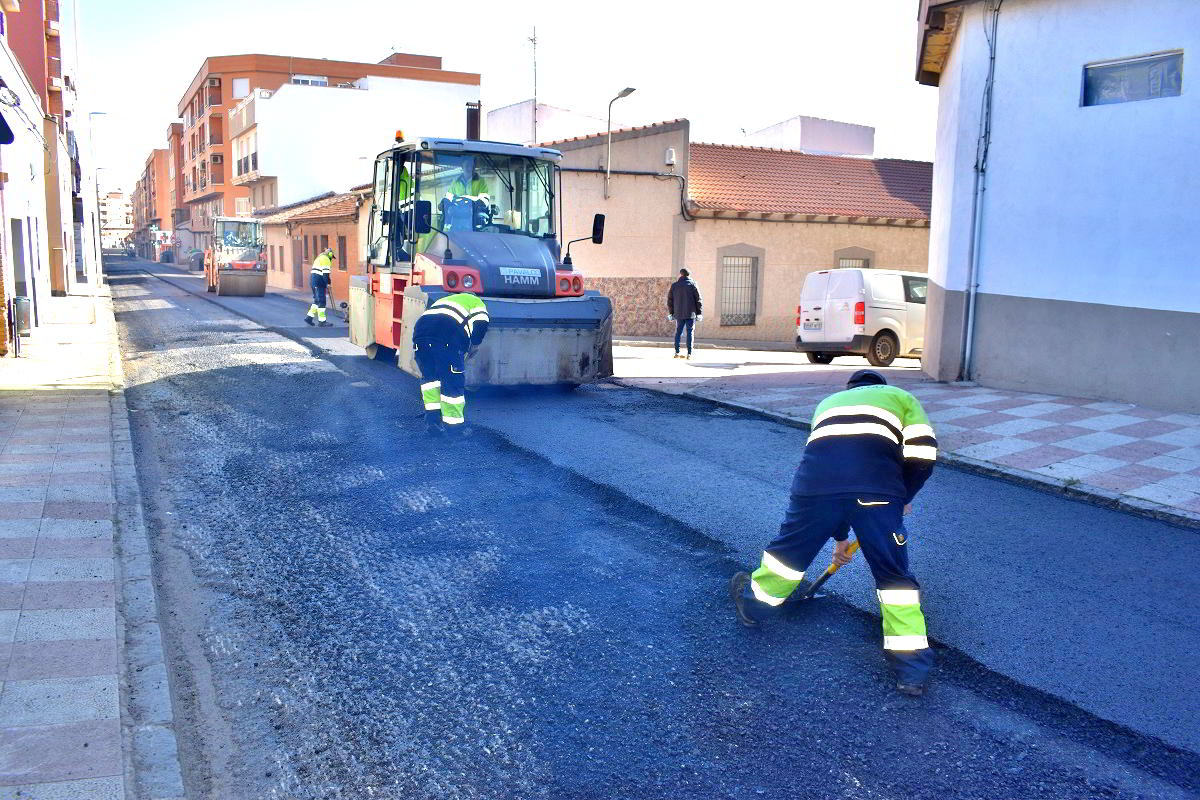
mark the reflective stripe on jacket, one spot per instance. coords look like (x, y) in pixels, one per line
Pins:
(871, 441)
(465, 309)
(322, 264)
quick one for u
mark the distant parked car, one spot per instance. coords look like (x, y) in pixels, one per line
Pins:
(877, 313)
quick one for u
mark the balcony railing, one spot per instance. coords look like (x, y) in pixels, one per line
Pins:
(215, 138)
(247, 164)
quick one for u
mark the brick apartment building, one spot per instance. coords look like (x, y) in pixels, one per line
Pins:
(222, 82)
(151, 206)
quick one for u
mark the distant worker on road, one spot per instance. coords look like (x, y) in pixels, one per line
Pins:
(870, 451)
(444, 337)
(322, 269)
(685, 309)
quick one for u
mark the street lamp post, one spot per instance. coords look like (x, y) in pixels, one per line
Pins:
(608, 158)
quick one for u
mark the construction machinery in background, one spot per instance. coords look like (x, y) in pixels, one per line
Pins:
(455, 215)
(236, 263)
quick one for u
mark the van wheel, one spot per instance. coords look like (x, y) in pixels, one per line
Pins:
(819, 358)
(884, 348)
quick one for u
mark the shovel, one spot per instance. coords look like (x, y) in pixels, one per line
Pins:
(809, 591)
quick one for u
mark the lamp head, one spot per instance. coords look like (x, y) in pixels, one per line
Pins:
(626, 92)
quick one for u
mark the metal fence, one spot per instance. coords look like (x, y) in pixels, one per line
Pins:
(739, 290)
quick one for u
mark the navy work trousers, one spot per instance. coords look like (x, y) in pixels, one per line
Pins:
(320, 284)
(878, 523)
(680, 326)
(444, 380)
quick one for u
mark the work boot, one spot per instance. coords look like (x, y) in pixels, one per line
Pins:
(435, 428)
(689, 356)
(309, 320)
(910, 689)
(678, 356)
(460, 431)
(324, 323)
(737, 587)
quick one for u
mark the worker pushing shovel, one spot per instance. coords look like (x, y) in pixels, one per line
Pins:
(870, 451)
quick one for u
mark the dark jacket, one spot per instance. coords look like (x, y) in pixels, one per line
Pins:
(683, 299)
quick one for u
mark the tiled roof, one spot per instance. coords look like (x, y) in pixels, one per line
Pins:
(329, 206)
(343, 205)
(603, 134)
(766, 180)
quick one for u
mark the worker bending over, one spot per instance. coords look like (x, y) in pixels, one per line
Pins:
(322, 269)
(445, 335)
(870, 451)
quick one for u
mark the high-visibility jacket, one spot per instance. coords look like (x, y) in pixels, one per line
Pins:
(476, 187)
(459, 320)
(870, 441)
(404, 192)
(322, 264)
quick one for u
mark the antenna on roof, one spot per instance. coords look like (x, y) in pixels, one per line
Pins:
(533, 41)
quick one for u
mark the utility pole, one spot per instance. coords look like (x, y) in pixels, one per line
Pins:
(533, 41)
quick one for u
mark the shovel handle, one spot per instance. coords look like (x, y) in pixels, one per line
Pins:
(819, 582)
(850, 551)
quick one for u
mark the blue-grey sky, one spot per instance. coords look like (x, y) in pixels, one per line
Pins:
(725, 67)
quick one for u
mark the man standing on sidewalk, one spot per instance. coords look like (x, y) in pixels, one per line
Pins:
(685, 308)
(322, 269)
(870, 451)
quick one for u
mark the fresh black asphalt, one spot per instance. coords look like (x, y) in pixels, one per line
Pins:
(541, 611)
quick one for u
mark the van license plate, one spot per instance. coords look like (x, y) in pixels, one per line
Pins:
(812, 326)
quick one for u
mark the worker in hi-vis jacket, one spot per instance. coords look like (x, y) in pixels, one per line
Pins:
(445, 335)
(870, 451)
(322, 270)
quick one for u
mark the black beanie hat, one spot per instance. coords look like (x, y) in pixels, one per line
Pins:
(865, 377)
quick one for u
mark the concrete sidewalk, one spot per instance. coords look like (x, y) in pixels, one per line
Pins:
(1140, 459)
(84, 706)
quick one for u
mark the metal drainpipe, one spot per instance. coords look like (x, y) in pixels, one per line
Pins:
(978, 191)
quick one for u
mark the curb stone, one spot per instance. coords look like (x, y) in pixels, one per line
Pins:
(149, 747)
(1093, 495)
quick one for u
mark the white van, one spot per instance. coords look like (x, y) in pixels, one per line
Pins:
(877, 313)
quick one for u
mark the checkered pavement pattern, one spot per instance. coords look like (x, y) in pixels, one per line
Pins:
(60, 727)
(1115, 449)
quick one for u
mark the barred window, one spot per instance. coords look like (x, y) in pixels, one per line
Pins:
(739, 290)
(853, 263)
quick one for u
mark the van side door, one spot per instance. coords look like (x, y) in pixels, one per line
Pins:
(886, 309)
(915, 291)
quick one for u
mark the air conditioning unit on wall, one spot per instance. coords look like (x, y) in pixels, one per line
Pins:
(213, 82)
(217, 158)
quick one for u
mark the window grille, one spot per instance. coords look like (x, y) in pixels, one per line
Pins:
(854, 263)
(739, 290)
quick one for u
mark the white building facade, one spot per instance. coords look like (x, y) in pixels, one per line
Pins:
(1079, 235)
(116, 220)
(518, 123)
(300, 141)
(24, 238)
(816, 135)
